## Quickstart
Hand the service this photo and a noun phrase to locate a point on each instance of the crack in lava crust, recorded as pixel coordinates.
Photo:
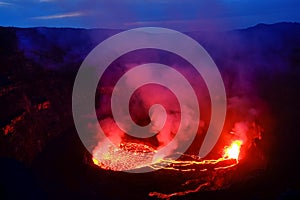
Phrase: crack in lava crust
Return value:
(129, 155)
(125, 156)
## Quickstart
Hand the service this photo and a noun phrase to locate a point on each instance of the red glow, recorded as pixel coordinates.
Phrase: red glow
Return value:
(116, 158)
(233, 151)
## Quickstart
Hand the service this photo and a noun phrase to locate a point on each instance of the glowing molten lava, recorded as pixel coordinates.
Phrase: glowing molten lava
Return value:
(125, 156)
(140, 155)
(233, 151)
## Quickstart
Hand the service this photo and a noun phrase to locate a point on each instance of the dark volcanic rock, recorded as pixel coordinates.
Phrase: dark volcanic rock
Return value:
(39, 65)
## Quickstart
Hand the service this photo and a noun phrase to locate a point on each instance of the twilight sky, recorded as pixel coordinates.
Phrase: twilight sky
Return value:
(182, 15)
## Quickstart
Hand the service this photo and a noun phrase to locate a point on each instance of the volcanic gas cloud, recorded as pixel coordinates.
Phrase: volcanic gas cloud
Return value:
(119, 151)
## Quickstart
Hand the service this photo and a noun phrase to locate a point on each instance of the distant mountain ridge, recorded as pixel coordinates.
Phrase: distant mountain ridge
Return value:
(60, 47)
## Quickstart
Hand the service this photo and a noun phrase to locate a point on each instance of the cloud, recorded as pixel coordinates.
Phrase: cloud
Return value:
(62, 15)
(5, 3)
(47, 0)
